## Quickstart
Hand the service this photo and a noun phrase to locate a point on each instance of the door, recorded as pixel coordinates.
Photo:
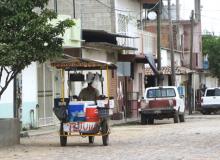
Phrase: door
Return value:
(45, 95)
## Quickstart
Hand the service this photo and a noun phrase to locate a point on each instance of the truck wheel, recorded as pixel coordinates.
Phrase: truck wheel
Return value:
(143, 119)
(182, 118)
(205, 112)
(91, 139)
(63, 139)
(176, 118)
(151, 120)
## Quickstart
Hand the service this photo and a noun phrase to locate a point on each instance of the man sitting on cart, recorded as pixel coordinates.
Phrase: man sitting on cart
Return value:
(89, 93)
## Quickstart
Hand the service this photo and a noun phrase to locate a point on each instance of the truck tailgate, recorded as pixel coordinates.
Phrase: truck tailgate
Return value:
(211, 100)
(161, 103)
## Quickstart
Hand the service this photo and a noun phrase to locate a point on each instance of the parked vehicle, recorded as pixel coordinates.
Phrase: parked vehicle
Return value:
(210, 102)
(162, 102)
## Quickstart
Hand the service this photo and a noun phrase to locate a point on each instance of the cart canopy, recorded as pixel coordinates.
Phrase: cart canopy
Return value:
(76, 63)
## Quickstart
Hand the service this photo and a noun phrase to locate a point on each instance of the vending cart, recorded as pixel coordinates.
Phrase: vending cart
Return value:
(83, 118)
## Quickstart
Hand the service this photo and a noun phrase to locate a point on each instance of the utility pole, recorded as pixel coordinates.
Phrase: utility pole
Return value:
(178, 37)
(55, 6)
(190, 74)
(177, 10)
(173, 75)
(74, 9)
(197, 10)
(159, 80)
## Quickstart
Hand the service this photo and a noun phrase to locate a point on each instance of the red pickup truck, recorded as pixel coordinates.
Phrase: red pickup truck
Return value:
(162, 102)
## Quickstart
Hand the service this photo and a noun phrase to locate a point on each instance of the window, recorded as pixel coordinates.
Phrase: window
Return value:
(161, 93)
(213, 92)
(217, 92)
(122, 24)
(210, 92)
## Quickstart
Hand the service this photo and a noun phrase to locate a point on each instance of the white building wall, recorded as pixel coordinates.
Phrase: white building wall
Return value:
(166, 58)
(29, 81)
(29, 97)
(126, 22)
(139, 68)
(165, 81)
(6, 101)
(211, 82)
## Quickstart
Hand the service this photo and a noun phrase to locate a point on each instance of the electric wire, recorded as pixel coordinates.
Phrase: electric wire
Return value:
(121, 10)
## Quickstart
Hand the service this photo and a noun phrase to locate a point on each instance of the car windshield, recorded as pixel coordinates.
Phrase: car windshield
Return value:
(213, 92)
(161, 93)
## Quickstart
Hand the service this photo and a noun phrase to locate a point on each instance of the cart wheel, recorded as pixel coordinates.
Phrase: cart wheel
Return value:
(105, 138)
(63, 139)
(91, 139)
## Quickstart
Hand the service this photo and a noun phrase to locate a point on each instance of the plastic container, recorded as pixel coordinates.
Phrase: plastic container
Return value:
(103, 103)
(103, 112)
(92, 114)
(76, 112)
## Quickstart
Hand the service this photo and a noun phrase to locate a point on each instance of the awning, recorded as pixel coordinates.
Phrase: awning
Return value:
(132, 58)
(101, 36)
(106, 45)
(141, 58)
(76, 63)
(179, 70)
(103, 39)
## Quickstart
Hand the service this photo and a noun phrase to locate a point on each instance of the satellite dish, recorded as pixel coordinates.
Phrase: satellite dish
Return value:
(152, 15)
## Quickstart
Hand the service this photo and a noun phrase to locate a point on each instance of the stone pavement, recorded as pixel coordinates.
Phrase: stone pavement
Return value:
(55, 128)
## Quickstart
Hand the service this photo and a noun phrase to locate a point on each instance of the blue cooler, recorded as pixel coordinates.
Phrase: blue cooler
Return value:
(76, 112)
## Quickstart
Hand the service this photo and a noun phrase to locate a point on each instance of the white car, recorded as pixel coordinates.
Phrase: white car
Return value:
(210, 102)
(162, 102)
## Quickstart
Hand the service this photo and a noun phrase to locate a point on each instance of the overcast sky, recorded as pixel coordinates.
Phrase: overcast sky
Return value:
(210, 14)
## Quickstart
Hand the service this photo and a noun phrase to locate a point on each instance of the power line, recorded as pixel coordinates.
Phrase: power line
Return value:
(113, 8)
(121, 10)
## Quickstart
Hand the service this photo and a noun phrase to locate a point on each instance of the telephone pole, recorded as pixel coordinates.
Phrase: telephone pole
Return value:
(173, 75)
(55, 6)
(74, 9)
(159, 80)
(190, 93)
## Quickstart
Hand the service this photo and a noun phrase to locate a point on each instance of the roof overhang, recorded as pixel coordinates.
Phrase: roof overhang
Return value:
(103, 39)
(132, 58)
(105, 45)
(179, 70)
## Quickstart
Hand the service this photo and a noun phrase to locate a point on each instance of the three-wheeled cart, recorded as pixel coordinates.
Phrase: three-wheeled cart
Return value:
(96, 121)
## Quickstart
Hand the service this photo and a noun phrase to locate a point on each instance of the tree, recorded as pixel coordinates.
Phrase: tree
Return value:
(27, 36)
(211, 47)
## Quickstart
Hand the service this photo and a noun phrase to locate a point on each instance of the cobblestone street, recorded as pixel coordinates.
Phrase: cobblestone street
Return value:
(196, 139)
